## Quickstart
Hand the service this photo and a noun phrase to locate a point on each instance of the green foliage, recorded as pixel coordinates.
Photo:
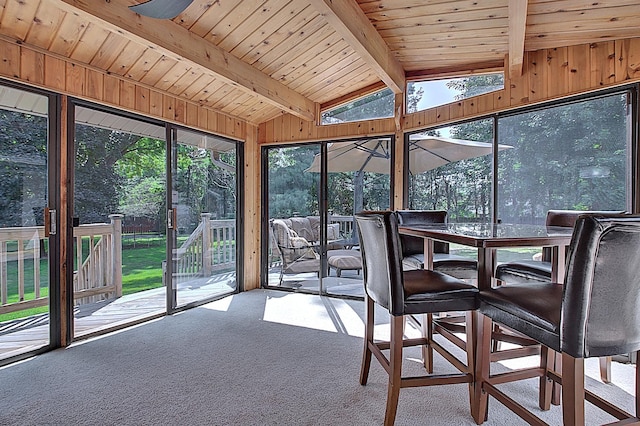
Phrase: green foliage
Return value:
(23, 168)
(553, 152)
(292, 190)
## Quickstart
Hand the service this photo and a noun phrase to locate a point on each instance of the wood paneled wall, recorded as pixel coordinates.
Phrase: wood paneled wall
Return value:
(288, 128)
(29, 65)
(547, 74)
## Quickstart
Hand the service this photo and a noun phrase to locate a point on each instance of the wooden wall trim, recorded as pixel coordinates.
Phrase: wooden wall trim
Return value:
(252, 210)
(290, 129)
(36, 67)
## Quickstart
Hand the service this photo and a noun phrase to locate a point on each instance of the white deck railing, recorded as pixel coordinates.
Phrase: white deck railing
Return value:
(99, 273)
(209, 248)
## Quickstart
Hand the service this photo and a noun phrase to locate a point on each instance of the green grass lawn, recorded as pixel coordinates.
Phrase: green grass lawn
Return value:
(504, 255)
(141, 270)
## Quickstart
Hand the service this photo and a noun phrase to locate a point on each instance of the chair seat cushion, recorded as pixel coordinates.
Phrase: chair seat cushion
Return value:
(524, 271)
(345, 262)
(431, 291)
(532, 309)
(451, 264)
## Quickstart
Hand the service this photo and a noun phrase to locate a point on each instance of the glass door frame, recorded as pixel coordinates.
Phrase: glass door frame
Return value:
(172, 234)
(323, 201)
(52, 206)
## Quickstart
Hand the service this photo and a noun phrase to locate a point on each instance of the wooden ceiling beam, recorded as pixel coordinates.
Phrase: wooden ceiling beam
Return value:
(517, 28)
(456, 71)
(346, 17)
(176, 42)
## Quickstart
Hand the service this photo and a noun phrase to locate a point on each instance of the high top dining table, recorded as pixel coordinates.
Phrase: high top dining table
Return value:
(487, 238)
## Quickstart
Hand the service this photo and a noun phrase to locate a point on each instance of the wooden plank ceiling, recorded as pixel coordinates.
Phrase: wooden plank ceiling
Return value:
(257, 59)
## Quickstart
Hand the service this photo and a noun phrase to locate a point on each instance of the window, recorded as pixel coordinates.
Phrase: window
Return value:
(571, 156)
(450, 169)
(423, 95)
(376, 105)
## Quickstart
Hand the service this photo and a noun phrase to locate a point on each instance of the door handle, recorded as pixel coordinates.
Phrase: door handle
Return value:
(50, 225)
(172, 218)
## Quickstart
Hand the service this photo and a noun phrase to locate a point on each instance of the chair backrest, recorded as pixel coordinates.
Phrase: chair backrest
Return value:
(415, 245)
(382, 259)
(567, 219)
(601, 301)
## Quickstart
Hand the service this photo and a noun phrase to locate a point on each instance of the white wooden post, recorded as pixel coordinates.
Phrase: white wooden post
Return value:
(206, 244)
(116, 252)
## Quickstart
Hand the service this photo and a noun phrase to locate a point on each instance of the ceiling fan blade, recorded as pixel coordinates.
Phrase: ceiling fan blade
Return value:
(161, 9)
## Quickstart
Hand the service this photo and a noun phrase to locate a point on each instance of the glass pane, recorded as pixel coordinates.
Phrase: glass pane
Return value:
(119, 200)
(292, 197)
(423, 95)
(204, 198)
(359, 179)
(376, 105)
(24, 250)
(450, 169)
(570, 157)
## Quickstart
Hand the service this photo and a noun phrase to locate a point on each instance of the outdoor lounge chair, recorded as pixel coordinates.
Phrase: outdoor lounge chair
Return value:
(296, 252)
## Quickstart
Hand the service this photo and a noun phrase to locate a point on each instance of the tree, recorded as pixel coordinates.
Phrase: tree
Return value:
(23, 169)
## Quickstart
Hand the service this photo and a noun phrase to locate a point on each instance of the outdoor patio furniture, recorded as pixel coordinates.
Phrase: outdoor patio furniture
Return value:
(297, 241)
(342, 260)
(413, 292)
(296, 252)
(574, 318)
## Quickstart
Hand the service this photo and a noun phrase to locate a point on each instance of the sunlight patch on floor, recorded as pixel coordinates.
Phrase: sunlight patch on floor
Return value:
(319, 313)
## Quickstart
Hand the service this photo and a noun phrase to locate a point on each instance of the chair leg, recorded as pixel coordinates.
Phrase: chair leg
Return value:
(395, 369)
(471, 330)
(556, 392)
(572, 390)
(482, 368)
(427, 350)
(547, 362)
(368, 340)
(605, 369)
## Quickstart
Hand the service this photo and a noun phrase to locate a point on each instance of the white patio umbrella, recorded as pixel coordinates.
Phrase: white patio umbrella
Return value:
(425, 153)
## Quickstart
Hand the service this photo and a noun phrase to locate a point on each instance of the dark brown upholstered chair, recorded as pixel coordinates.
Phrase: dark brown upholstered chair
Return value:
(532, 271)
(602, 277)
(408, 293)
(413, 247)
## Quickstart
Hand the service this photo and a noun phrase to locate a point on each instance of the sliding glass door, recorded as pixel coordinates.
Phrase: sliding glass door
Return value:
(119, 209)
(25, 202)
(313, 244)
(203, 217)
(292, 197)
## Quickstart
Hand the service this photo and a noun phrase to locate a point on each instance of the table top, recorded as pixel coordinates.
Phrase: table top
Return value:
(486, 235)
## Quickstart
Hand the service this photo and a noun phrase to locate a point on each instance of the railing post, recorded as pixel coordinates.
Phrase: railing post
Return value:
(116, 252)
(206, 244)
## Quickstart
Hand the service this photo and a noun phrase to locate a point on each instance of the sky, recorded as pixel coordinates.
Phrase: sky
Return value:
(436, 93)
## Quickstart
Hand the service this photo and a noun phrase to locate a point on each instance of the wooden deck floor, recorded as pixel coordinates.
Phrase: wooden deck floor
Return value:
(110, 314)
